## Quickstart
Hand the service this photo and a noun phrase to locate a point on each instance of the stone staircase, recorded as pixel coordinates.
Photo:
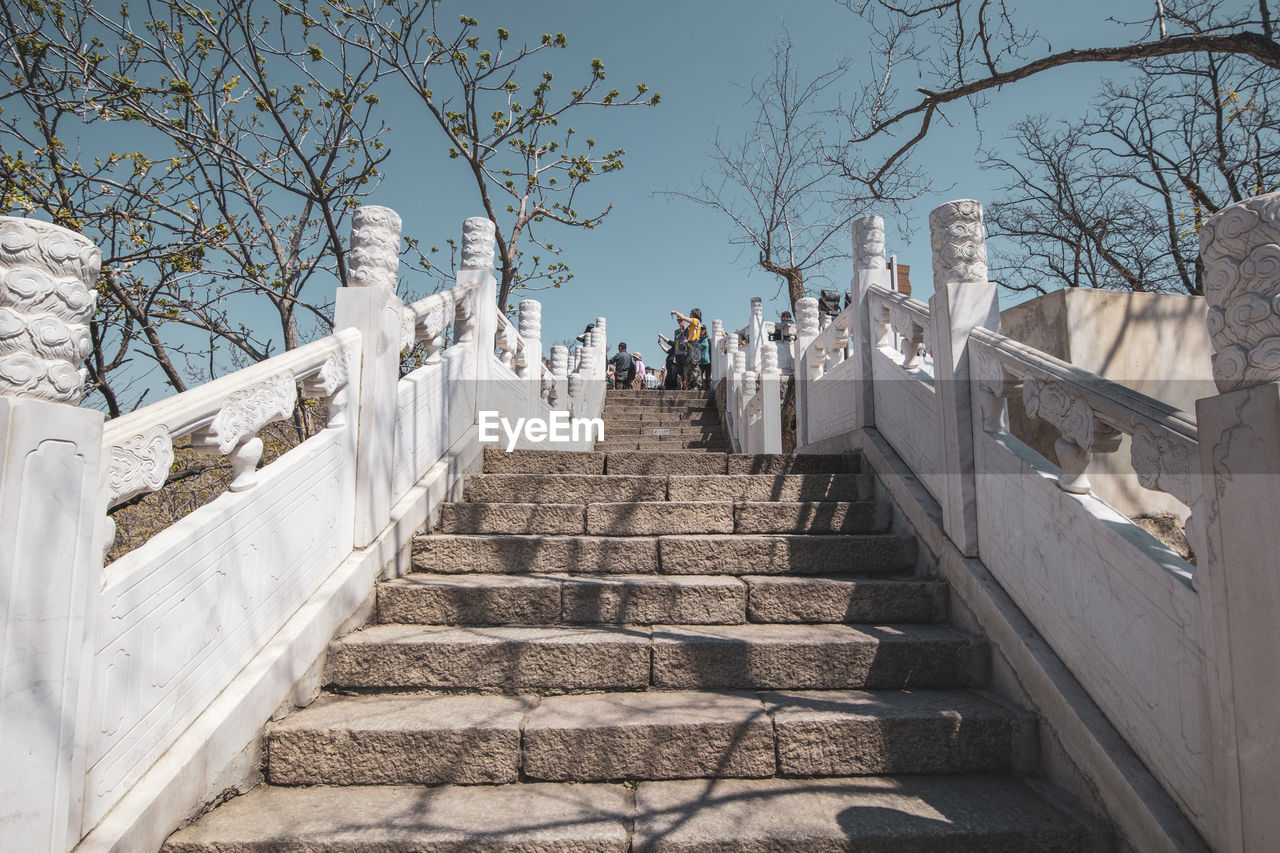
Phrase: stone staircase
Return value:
(644, 651)
(661, 421)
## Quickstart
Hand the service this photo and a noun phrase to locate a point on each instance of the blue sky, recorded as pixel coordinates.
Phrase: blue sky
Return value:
(653, 254)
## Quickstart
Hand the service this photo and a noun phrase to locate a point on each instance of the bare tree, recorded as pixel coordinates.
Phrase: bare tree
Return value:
(779, 184)
(1116, 199)
(499, 116)
(964, 51)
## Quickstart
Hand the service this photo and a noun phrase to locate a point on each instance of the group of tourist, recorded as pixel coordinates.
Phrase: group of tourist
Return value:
(687, 365)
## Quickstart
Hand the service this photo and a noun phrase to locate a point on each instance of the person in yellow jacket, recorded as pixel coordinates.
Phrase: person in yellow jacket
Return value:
(694, 333)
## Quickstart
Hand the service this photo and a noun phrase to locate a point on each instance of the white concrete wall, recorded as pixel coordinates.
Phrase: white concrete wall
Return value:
(180, 616)
(1114, 603)
(907, 412)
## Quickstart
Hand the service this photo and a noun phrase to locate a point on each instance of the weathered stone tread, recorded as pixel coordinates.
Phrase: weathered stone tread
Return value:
(469, 599)
(547, 659)
(543, 817)
(788, 599)
(857, 732)
(399, 739)
(531, 518)
(504, 554)
(813, 517)
(650, 735)
(499, 461)
(815, 657)
(780, 554)
(648, 599)
(563, 488)
(947, 814)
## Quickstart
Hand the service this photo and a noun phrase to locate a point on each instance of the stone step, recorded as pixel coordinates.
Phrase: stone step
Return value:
(665, 518)
(661, 418)
(815, 657)
(781, 554)
(921, 814)
(495, 517)
(681, 657)
(430, 599)
(652, 463)
(719, 554)
(861, 732)
(564, 488)
(791, 600)
(813, 517)
(663, 443)
(650, 430)
(633, 409)
(787, 463)
(501, 554)
(656, 519)
(544, 817)
(498, 461)
(506, 659)
(767, 487)
(431, 739)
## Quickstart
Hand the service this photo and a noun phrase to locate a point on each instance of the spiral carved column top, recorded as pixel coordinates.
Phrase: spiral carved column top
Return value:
(959, 243)
(757, 306)
(530, 318)
(807, 316)
(47, 298)
(717, 329)
(1240, 248)
(739, 360)
(868, 243)
(559, 360)
(768, 352)
(478, 238)
(374, 259)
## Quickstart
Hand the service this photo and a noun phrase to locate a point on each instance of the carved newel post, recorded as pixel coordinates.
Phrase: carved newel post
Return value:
(771, 399)
(559, 374)
(531, 332)
(369, 304)
(868, 332)
(755, 333)
(963, 300)
(51, 529)
(1240, 457)
(808, 363)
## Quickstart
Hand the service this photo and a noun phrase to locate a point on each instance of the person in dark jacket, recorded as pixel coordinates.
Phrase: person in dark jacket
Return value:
(624, 368)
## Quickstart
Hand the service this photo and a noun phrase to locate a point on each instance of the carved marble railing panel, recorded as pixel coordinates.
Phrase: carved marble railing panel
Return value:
(1091, 413)
(436, 314)
(225, 415)
(907, 317)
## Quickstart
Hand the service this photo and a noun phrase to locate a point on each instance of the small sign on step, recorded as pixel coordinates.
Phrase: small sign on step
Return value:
(663, 431)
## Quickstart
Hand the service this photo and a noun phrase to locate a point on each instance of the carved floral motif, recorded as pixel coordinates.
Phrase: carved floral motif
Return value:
(374, 259)
(1070, 413)
(1161, 464)
(139, 464)
(47, 275)
(246, 412)
(868, 243)
(958, 240)
(1240, 247)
